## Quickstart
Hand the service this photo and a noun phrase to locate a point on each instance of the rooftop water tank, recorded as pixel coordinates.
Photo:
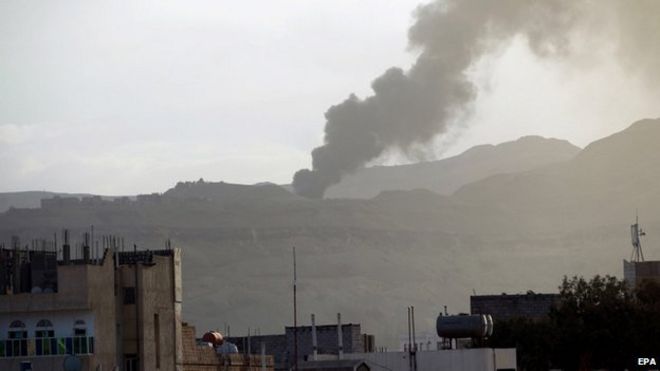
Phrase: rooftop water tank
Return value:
(213, 337)
(464, 326)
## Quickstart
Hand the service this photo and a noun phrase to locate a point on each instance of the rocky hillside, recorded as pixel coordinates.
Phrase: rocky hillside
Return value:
(447, 175)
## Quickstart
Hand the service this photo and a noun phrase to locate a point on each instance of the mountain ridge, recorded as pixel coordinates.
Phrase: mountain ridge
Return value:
(447, 175)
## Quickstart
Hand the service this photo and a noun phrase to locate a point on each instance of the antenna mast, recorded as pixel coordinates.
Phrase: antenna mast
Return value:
(295, 314)
(636, 233)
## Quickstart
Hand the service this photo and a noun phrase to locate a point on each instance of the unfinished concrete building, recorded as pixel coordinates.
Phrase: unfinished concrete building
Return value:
(111, 311)
(322, 340)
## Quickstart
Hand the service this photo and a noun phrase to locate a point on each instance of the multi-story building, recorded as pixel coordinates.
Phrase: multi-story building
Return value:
(635, 272)
(116, 311)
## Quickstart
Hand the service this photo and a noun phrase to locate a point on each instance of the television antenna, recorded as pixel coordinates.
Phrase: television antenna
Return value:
(636, 233)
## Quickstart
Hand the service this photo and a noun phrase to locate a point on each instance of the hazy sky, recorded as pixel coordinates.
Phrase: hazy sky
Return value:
(131, 97)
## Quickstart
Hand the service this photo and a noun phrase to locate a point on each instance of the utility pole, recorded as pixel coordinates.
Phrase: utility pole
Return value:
(137, 309)
(295, 314)
(410, 352)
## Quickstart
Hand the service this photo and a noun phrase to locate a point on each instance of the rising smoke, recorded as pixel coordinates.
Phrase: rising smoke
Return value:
(413, 107)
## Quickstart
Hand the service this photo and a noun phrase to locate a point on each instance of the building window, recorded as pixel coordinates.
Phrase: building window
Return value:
(17, 330)
(129, 295)
(131, 362)
(16, 346)
(44, 329)
(80, 340)
(79, 328)
(45, 342)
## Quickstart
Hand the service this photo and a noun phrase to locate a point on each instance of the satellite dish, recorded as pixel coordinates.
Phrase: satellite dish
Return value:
(72, 363)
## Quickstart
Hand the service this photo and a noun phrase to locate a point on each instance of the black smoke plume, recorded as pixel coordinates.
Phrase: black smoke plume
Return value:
(413, 107)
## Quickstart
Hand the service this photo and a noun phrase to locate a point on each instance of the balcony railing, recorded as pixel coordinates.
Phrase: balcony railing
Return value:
(37, 347)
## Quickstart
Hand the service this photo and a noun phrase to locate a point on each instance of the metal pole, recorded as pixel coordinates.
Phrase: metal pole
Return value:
(93, 243)
(340, 340)
(295, 314)
(412, 320)
(137, 311)
(263, 356)
(412, 312)
(314, 342)
(409, 343)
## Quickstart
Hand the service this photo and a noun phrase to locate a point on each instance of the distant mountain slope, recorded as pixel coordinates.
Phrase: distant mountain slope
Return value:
(220, 192)
(611, 177)
(446, 176)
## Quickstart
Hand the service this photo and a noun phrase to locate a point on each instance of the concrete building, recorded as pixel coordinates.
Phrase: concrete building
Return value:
(637, 270)
(504, 306)
(335, 365)
(199, 356)
(634, 272)
(327, 337)
(477, 359)
(116, 311)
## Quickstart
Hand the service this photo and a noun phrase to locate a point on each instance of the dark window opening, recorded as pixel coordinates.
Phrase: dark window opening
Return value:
(79, 328)
(17, 334)
(17, 330)
(80, 345)
(130, 362)
(44, 334)
(26, 366)
(45, 342)
(129, 295)
(16, 346)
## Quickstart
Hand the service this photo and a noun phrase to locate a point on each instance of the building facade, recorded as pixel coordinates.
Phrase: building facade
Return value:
(476, 359)
(635, 273)
(117, 311)
(282, 346)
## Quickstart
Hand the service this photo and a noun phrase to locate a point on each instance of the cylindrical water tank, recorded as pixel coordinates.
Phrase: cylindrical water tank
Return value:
(214, 338)
(464, 326)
